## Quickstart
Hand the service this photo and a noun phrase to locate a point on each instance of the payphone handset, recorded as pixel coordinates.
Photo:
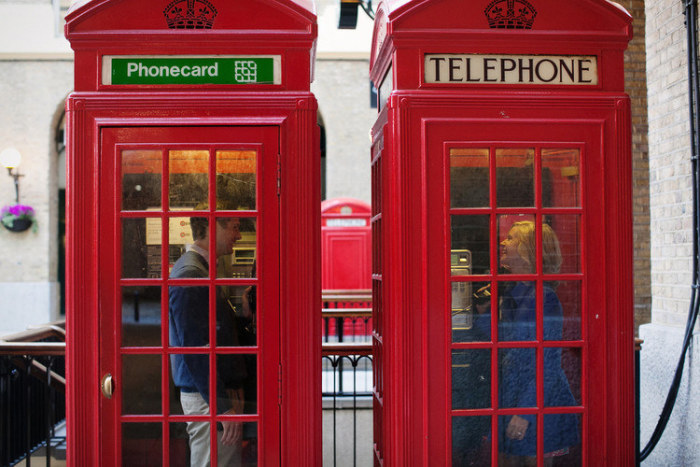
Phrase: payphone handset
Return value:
(462, 313)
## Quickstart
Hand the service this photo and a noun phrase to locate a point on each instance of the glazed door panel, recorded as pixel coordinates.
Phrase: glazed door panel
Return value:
(522, 278)
(189, 316)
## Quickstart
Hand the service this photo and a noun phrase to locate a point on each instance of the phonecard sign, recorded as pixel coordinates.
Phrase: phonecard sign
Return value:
(179, 70)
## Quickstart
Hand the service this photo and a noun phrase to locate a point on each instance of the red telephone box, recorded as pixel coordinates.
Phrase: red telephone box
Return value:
(502, 281)
(345, 245)
(187, 343)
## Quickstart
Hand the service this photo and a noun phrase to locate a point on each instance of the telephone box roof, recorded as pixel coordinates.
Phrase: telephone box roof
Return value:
(164, 18)
(414, 23)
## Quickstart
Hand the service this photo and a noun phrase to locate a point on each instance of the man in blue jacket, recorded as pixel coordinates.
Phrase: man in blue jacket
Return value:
(189, 327)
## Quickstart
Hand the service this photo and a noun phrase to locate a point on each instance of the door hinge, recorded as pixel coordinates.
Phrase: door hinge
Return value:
(279, 385)
(279, 173)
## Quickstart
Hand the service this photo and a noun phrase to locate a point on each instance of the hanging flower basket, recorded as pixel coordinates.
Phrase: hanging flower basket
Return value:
(17, 218)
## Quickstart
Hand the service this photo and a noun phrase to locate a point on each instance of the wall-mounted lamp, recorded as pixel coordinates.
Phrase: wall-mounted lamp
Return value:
(10, 159)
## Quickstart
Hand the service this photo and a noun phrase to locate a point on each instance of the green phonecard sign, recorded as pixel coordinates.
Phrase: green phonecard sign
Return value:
(171, 70)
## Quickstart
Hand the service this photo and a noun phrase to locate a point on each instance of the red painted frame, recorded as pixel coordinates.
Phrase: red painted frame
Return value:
(411, 280)
(113, 141)
(127, 27)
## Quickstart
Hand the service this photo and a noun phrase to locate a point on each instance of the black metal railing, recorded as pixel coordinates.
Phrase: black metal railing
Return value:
(32, 395)
(347, 390)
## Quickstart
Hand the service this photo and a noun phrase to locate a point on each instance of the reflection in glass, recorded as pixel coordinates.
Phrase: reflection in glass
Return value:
(515, 258)
(517, 439)
(235, 179)
(188, 179)
(517, 311)
(141, 179)
(568, 326)
(141, 384)
(562, 377)
(142, 444)
(469, 178)
(249, 448)
(515, 186)
(471, 312)
(516, 380)
(471, 441)
(471, 234)
(241, 261)
(141, 316)
(562, 442)
(140, 257)
(471, 378)
(238, 374)
(179, 445)
(561, 177)
(237, 313)
(567, 228)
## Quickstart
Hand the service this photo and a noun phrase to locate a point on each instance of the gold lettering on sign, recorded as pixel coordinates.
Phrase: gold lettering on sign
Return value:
(511, 69)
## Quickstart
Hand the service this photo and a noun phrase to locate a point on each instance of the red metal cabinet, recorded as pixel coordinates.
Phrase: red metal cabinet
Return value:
(193, 113)
(502, 245)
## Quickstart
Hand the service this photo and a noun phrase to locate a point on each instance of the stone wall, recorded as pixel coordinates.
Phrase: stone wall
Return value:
(32, 93)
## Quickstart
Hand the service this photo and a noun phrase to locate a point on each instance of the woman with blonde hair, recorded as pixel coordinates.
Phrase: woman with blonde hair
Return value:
(517, 366)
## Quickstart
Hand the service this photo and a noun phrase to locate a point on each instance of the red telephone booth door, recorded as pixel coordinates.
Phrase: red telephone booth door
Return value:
(189, 315)
(530, 308)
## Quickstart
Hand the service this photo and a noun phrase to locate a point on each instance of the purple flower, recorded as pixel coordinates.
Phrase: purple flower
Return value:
(18, 211)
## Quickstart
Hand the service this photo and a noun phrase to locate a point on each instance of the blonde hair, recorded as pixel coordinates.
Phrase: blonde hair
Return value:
(524, 232)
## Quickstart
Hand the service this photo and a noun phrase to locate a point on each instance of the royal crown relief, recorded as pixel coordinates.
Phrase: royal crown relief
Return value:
(190, 14)
(510, 14)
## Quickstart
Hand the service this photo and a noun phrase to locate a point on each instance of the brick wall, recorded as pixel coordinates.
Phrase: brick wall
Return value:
(636, 87)
(669, 162)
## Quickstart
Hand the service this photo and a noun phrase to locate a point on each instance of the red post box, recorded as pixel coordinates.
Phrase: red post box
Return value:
(194, 234)
(502, 280)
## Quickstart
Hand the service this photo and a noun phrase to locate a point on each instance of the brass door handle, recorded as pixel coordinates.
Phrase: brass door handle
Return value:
(107, 385)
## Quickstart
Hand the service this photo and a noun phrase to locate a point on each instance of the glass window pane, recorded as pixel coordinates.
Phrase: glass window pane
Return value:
(517, 439)
(141, 179)
(187, 370)
(471, 312)
(236, 180)
(471, 441)
(517, 244)
(235, 316)
(141, 254)
(189, 179)
(142, 444)
(516, 382)
(561, 244)
(141, 317)
(517, 311)
(189, 316)
(141, 384)
(469, 177)
(515, 185)
(238, 376)
(562, 377)
(179, 445)
(471, 378)
(470, 238)
(236, 260)
(565, 325)
(561, 170)
(562, 439)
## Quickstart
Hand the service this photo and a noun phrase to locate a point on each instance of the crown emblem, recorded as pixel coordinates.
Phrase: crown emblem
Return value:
(190, 14)
(510, 14)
